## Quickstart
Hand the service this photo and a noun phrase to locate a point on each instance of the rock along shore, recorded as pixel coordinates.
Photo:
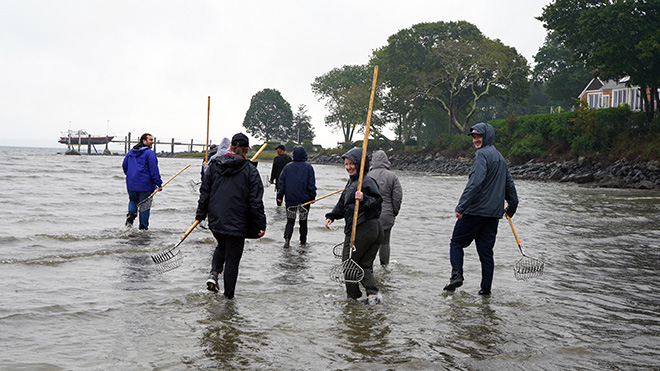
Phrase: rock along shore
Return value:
(619, 174)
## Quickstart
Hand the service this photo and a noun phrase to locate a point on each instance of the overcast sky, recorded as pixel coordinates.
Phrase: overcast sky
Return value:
(148, 66)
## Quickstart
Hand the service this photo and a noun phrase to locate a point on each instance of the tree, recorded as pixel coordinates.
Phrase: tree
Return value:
(269, 116)
(452, 64)
(559, 76)
(301, 129)
(346, 92)
(618, 38)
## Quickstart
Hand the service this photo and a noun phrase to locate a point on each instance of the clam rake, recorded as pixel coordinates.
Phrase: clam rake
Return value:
(171, 258)
(527, 267)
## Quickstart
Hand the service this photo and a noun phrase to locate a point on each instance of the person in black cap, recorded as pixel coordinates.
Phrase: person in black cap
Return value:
(480, 208)
(279, 162)
(231, 196)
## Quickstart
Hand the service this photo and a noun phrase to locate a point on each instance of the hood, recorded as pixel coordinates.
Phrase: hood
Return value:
(299, 154)
(230, 164)
(355, 155)
(488, 132)
(379, 160)
(224, 145)
(138, 149)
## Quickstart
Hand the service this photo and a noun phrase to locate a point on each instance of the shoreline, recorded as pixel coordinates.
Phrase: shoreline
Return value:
(619, 174)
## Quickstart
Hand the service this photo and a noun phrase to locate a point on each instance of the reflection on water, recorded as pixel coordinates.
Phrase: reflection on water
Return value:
(80, 291)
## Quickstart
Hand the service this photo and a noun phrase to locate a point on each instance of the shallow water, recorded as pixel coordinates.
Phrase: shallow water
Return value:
(79, 290)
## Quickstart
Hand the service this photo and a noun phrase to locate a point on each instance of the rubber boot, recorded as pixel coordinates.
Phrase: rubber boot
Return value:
(286, 243)
(455, 281)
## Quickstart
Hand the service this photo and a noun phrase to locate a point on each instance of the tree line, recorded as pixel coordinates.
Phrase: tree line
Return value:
(441, 77)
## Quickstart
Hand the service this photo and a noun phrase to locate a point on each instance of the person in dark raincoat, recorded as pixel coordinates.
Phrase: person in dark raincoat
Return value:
(231, 196)
(480, 208)
(369, 232)
(297, 186)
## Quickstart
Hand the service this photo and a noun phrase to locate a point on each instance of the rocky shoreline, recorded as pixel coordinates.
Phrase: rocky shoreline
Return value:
(619, 174)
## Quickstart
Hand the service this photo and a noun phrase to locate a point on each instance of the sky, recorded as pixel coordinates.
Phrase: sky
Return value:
(119, 66)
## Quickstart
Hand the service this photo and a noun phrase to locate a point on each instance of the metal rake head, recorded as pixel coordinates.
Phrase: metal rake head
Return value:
(528, 267)
(168, 260)
(145, 204)
(302, 212)
(338, 250)
(194, 186)
(347, 271)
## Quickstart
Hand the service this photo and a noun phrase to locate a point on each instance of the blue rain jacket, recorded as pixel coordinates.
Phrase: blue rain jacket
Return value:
(141, 168)
(297, 181)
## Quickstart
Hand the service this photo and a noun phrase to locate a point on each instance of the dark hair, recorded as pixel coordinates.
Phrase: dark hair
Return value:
(281, 147)
(144, 137)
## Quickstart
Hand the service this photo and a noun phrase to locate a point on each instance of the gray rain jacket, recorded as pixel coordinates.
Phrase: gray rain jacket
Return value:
(389, 187)
(490, 182)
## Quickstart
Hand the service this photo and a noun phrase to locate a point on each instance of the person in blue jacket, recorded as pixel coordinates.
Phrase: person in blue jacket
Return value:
(231, 196)
(297, 185)
(142, 178)
(480, 208)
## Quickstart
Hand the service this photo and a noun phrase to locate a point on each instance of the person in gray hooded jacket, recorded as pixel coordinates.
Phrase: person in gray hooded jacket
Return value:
(392, 193)
(480, 208)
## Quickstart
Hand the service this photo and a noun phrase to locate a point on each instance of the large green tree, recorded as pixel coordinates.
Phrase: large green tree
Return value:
(269, 116)
(618, 38)
(346, 92)
(561, 77)
(302, 126)
(452, 64)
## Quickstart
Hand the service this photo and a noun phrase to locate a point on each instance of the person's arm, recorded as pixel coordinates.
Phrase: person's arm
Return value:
(477, 176)
(397, 195)
(282, 185)
(124, 164)
(204, 195)
(511, 196)
(154, 173)
(311, 184)
(370, 196)
(256, 194)
(337, 211)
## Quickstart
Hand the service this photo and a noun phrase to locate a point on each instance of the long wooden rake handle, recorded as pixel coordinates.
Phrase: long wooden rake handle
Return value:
(190, 230)
(169, 180)
(259, 151)
(513, 229)
(322, 197)
(208, 114)
(365, 143)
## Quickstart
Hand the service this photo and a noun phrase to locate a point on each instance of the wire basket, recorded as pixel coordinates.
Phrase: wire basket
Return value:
(300, 210)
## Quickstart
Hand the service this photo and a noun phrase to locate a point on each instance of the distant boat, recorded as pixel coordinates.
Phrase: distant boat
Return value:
(72, 137)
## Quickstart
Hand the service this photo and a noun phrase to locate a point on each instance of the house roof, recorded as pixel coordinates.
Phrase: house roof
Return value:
(597, 84)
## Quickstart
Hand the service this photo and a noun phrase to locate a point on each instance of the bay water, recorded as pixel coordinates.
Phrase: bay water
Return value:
(78, 289)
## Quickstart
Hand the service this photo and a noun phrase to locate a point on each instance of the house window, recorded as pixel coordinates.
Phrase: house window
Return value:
(594, 100)
(605, 102)
(635, 100)
(619, 97)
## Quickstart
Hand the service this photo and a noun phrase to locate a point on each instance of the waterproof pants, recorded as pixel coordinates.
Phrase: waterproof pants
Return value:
(290, 222)
(481, 230)
(226, 258)
(368, 237)
(134, 198)
(384, 249)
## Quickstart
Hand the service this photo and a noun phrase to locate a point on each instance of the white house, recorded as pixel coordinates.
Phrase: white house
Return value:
(610, 93)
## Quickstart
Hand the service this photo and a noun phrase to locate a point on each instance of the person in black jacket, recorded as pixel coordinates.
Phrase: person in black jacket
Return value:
(279, 162)
(231, 195)
(369, 232)
(297, 186)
